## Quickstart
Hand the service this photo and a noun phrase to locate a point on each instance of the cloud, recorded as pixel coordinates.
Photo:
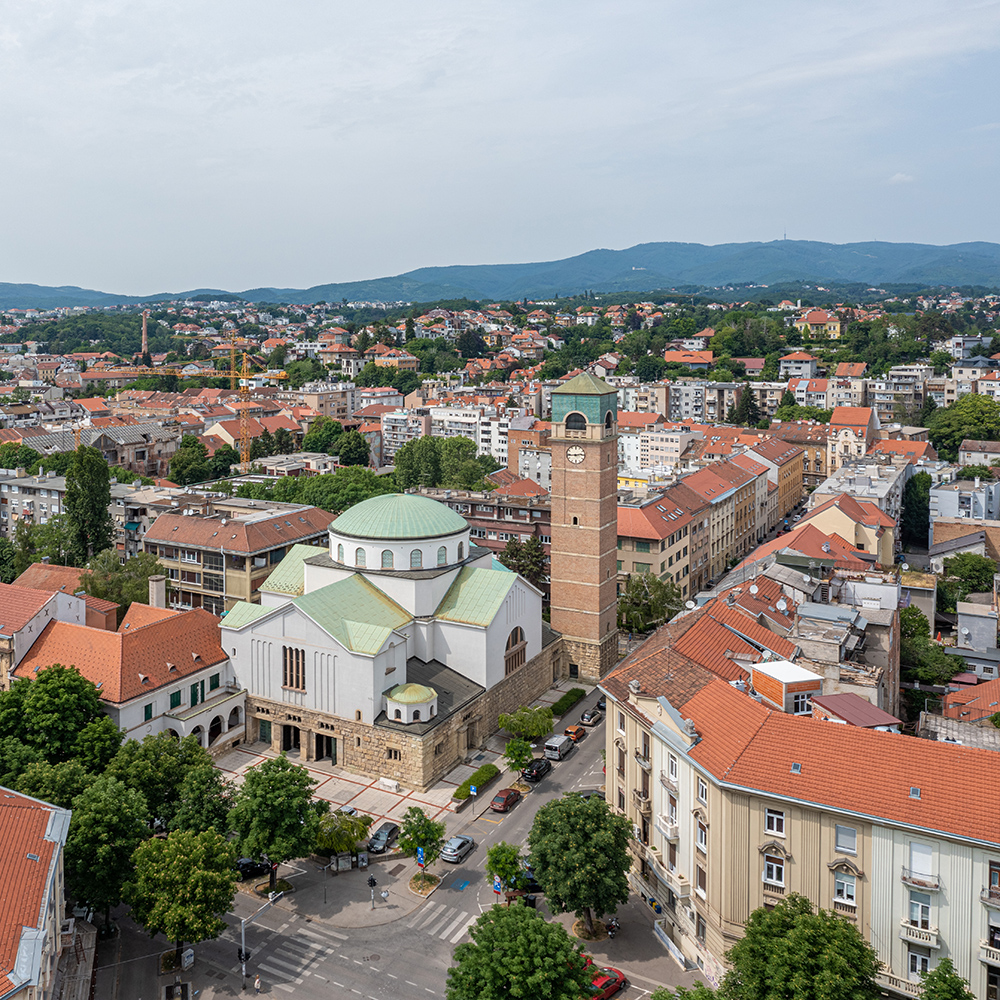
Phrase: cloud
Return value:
(901, 178)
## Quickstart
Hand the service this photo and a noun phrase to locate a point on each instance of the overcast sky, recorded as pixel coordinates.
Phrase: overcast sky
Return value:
(154, 146)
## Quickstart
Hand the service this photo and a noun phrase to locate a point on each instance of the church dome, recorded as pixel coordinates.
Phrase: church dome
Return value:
(398, 516)
(412, 694)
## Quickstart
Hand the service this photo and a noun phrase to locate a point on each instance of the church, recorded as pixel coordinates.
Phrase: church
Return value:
(393, 651)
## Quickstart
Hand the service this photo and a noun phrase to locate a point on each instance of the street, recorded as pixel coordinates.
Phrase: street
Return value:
(326, 933)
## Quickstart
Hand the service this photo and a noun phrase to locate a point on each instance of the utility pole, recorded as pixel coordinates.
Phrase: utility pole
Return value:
(244, 955)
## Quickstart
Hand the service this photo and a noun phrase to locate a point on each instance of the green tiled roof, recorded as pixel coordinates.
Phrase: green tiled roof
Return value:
(585, 385)
(398, 516)
(352, 611)
(496, 564)
(476, 596)
(288, 577)
(242, 614)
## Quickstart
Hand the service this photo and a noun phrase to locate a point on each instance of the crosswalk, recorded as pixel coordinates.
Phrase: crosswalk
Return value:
(446, 923)
(298, 954)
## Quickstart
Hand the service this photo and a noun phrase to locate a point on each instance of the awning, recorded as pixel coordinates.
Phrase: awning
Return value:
(131, 525)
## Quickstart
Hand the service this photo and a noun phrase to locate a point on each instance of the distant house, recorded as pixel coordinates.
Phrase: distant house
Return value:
(819, 323)
(798, 364)
(696, 360)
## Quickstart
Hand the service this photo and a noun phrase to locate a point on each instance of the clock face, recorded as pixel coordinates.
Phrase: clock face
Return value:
(575, 454)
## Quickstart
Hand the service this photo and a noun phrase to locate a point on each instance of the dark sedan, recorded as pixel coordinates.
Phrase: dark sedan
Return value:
(248, 868)
(537, 769)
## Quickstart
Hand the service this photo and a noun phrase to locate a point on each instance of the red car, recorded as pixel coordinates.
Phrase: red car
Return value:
(504, 799)
(607, 982)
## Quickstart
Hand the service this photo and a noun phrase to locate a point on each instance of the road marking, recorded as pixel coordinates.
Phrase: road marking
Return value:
(280, 972)
(495, 822)
(391, 976)
(462, 885)
(451, 927)
(340, 986)
(408, 983)
(283, 986)
(295, 969)
(460, 933)
(320, 936)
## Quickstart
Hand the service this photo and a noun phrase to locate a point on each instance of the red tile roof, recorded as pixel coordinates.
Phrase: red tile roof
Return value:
(46, 576)
(913, 450)
(808, 540)
(18, 605)
(237, 535)
(973, 703)
(850, 416)
(850, 369)
(799, 356)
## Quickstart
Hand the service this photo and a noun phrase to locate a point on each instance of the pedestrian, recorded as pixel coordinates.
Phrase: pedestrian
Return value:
(256, 984)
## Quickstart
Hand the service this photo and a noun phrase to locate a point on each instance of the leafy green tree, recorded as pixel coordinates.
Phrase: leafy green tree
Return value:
(88, 497)
(353, 449)
(747, 409)
(942, 361)
(527, 723)
(419, 830)
(973, 472)
(323, 435)
(15, 757)
(97, 743)
(926, 412)
(454, 454)
(181, 884)
(284, 443)
(123, 584)
(787, 399)
(57, 705)
(58, 783)
(267, 443)
(972, 416)
(516, 952)
(580, 852)
(697, 992)
(505, 861)
(344, 488)
(274, 815)
(33, 542)
(7, 571)
(222, 462)
(973, 573)
(109, 822)
(790, 951)
(647, 602)
(190, 463)
(916, 514)
(944, 983)
(204, 800)
(341, 832)
(418, 463)
(518, 755)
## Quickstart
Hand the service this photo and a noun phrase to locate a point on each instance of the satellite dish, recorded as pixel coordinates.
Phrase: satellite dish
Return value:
(754, 588)
(806, 578)
(906, 567)
(782, 605)
(689, 605)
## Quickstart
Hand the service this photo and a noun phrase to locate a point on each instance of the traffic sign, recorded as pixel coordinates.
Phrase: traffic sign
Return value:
(472, 789)
(420, 856)
(496, 884)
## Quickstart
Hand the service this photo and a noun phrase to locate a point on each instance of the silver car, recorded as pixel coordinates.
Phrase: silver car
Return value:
(458, 848)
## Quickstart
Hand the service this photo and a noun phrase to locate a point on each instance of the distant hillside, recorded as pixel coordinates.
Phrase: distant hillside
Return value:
(644, 267)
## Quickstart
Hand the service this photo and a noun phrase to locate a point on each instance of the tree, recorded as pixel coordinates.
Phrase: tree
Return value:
(323, 434)
(340, 832)
(533, 561)
(343, 489)
(7, 571)
(787, 399)
(418, 463)
(57, 706)
(747, 409)
(790, 951)
(973, 416)
(942, 361)
(647, 602)
(916, 514)
(223, 460)
(120, 583)
(353, 449)
(974, 472)
(274, 815)
(974, 573)
(15, 758)
(515, 952)
(579, 849)
(518, 755)
(59, 783)
(527, 723)
(944, 983)
(419, 830)
(505, 862)
(88, 497)
(181, 884)
(97, 743)
(697, 992)
(109, 822)
(284, 443)
(204, 801)
(190, 463)
(34, 542)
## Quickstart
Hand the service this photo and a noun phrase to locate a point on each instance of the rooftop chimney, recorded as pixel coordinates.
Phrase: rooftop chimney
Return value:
(158, 591)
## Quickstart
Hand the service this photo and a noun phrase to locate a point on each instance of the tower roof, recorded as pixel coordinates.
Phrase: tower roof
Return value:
(585, 385)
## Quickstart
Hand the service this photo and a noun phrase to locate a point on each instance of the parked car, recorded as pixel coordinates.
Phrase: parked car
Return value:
(537, 769)
(602, 703)
(383, 838)
(591, 717)
(607, 982)
(248, 868)
(575, 733)
(348, 810)
(504, 799)
(459, 847)
(588, 793)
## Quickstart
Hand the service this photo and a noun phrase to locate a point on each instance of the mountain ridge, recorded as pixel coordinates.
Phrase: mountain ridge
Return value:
(643, 267)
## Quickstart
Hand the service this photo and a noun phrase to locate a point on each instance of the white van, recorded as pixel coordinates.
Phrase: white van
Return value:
(558, 747)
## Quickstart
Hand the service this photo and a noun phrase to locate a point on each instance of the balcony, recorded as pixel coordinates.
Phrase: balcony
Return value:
(988, 953)
(667, 827)
(678, 884)
(641, 760)
(920, 880)
(991, 896)
(917, 935)
(669, 783)
(641, 802)
(896, 985)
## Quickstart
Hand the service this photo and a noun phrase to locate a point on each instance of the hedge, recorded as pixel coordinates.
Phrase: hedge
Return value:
(481, 777)
(567, 701)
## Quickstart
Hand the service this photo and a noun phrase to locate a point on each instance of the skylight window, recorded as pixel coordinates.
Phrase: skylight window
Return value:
(796, 768)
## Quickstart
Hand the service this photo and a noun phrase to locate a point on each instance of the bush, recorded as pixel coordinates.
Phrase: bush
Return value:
(567, 701)
(481, 777)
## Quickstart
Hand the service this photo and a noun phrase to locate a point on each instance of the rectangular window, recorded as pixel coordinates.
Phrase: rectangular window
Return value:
(671, 809)
(701, 928)
(175, 699)
(702, 791)
(920, 859)
(843, 887)
(920, 962)
(672, 766)
(619, 565)
(621, 761)
(703, 838)
(147, 712)
(774, 821)
(641, 567)
(212, 582)
(213, 560)
(392, 754)
(642, 546)
(293, 668)
(190, 556)
(774, 869)
(213, 682)
(621, 799)
(847, 839)
(701, 881)
(801, 704)
(920, 910)
(621, 721)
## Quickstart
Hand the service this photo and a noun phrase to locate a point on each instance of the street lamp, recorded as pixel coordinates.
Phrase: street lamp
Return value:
(244, 955)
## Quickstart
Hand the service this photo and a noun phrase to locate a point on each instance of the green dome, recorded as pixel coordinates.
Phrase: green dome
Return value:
(412, 694)
(398, 516)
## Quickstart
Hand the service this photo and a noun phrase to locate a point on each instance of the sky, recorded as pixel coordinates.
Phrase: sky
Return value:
(151, 146)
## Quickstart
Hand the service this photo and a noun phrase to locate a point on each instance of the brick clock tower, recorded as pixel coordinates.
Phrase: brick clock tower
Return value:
(584, 496)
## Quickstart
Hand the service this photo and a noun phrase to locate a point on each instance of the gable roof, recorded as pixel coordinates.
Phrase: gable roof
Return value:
(242, 536)
(288, 577)
(476, 596)
(46, 576)
(18, 605)
(850, 416)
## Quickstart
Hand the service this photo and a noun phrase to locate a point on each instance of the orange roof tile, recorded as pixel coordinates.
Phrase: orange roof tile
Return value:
(237, 535)
(18, 605)
(47, 576)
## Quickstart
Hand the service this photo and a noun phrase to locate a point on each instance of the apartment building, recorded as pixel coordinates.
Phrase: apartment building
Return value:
(653, 537)
(218, 558)
(687, 400)
(882, 483)
(853, 430)
(974, 499)
(749, 479)
(337, 400)
(846, 391)
(813, 439)
(400, 427)
(784, 463)
(698, 509)
(665, 448)
(886, 394)
(721, 498)
(768, 395)
(632, 427)
(798, 364)
(644, 398)
(810, 392)
(720, 397)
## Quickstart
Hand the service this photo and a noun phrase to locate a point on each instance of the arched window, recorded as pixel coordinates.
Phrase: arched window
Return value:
(514, 655)
(340, 553)
(397, 714)
(416, 715)
(442, 556)
(461, 551)
(576, 422)
(416, 559)
(359, 558)
(387, 559)
(607, 420)
(433, 711)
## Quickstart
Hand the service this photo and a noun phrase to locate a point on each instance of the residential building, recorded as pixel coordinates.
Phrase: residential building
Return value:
(798, 364)
(400, 427)
(819, 324)
(813, 439)
(853, 430)
(972, 452)
(721, 498)
(859, 522)
(784, 463)
(974, 499)
(337, 400)
(695, 360)
(882, 483)
(687, 399)
(653, 537)
(768, 395)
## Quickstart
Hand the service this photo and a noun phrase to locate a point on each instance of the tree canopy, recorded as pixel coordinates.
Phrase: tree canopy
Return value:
(121, 583)
(527, 723)
(419, 830)
(646, 602)
(87, 502)
(972, 416)
(944, 983)
(916, 514)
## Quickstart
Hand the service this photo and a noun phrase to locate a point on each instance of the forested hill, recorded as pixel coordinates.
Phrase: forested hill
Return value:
(645, 267)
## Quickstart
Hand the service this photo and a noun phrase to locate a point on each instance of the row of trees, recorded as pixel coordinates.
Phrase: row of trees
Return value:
(449, 462)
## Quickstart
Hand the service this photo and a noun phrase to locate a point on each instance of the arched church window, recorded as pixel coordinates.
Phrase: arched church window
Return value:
(416, 559)
(442, 556)
(576, 422)
(515, 652)
(340, 552)
(387, 559)
(461, 551)
(359, 558)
